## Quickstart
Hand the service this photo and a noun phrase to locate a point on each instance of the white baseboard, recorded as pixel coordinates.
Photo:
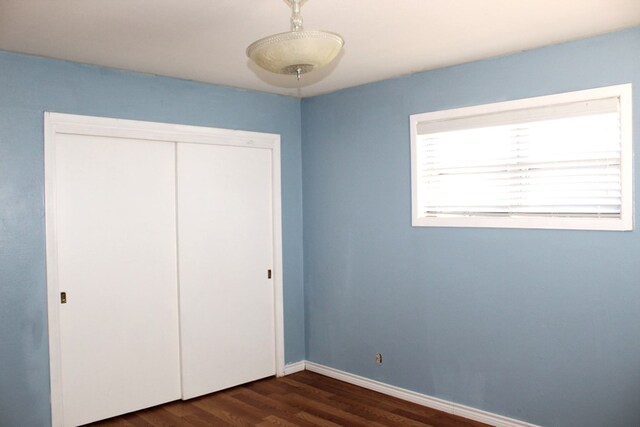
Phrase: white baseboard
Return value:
(292, 368)
(411, 396)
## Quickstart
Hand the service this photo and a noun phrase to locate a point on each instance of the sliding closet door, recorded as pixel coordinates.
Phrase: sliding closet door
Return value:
(225, 249)
(115, 234)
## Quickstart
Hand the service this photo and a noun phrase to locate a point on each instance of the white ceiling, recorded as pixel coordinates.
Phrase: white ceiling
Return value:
(205, 40)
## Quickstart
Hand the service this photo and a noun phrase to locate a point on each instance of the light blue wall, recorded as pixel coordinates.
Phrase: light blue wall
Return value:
(28, 87)
(537, 325)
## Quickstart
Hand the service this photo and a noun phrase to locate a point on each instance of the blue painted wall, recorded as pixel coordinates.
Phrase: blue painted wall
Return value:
(539, 325)
(28, 87)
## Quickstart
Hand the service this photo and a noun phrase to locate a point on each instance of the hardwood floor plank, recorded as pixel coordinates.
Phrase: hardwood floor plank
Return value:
(304, 388)
(197, 421)
(128, 420)
(227, 413)
(273, 420)
(318, 421)
(376, 411)
(160, 417)
(367, 396)
(383, 413)
(242, 407)
(375, 407)
(180, 408)
(407, 410)
(303, 399)
(371, 397)
(114, 423)
(269, 405)
(339, 410)
(270, 387)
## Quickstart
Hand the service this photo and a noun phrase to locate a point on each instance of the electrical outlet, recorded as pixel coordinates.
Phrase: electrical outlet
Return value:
(379, 358)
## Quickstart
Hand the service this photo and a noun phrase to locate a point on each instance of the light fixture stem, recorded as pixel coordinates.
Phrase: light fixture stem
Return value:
(296, 17)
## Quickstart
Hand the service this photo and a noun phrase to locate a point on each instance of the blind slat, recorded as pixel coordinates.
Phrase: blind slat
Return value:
(559, 160)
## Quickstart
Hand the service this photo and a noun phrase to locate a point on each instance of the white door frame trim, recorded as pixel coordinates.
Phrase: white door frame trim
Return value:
(57, 123)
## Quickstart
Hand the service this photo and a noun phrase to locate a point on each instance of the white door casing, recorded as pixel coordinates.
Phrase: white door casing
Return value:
(59, 127)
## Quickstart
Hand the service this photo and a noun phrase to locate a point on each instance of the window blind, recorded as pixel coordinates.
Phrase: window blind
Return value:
(559, 161)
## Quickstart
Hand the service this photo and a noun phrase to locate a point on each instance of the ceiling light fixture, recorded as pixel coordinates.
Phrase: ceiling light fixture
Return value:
(298, 51)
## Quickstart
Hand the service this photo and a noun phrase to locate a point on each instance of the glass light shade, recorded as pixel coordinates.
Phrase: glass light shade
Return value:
(295, 52)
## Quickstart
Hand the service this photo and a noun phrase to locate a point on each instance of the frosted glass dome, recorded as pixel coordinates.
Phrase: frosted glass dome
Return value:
(295, 52)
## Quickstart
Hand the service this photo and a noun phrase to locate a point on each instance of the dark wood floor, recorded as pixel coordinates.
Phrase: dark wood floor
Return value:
(301, 399)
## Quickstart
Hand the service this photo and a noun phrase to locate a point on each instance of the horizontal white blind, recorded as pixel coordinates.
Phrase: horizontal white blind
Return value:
(521, 115)
(557, 161)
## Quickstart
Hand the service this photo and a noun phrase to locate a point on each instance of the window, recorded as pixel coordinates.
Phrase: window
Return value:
(559, 161)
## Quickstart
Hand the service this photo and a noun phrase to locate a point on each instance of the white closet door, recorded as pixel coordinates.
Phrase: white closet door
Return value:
(116, 252)
(225, 247)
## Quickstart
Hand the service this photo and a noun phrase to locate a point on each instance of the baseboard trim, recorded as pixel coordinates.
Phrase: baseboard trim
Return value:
(292, 368)
(411, 396)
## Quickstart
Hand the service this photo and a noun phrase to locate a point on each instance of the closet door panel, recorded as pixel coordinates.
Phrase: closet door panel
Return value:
(116, 251)
(225, 247)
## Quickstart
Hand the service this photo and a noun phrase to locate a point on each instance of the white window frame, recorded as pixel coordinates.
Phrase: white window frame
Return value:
(625, 222)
